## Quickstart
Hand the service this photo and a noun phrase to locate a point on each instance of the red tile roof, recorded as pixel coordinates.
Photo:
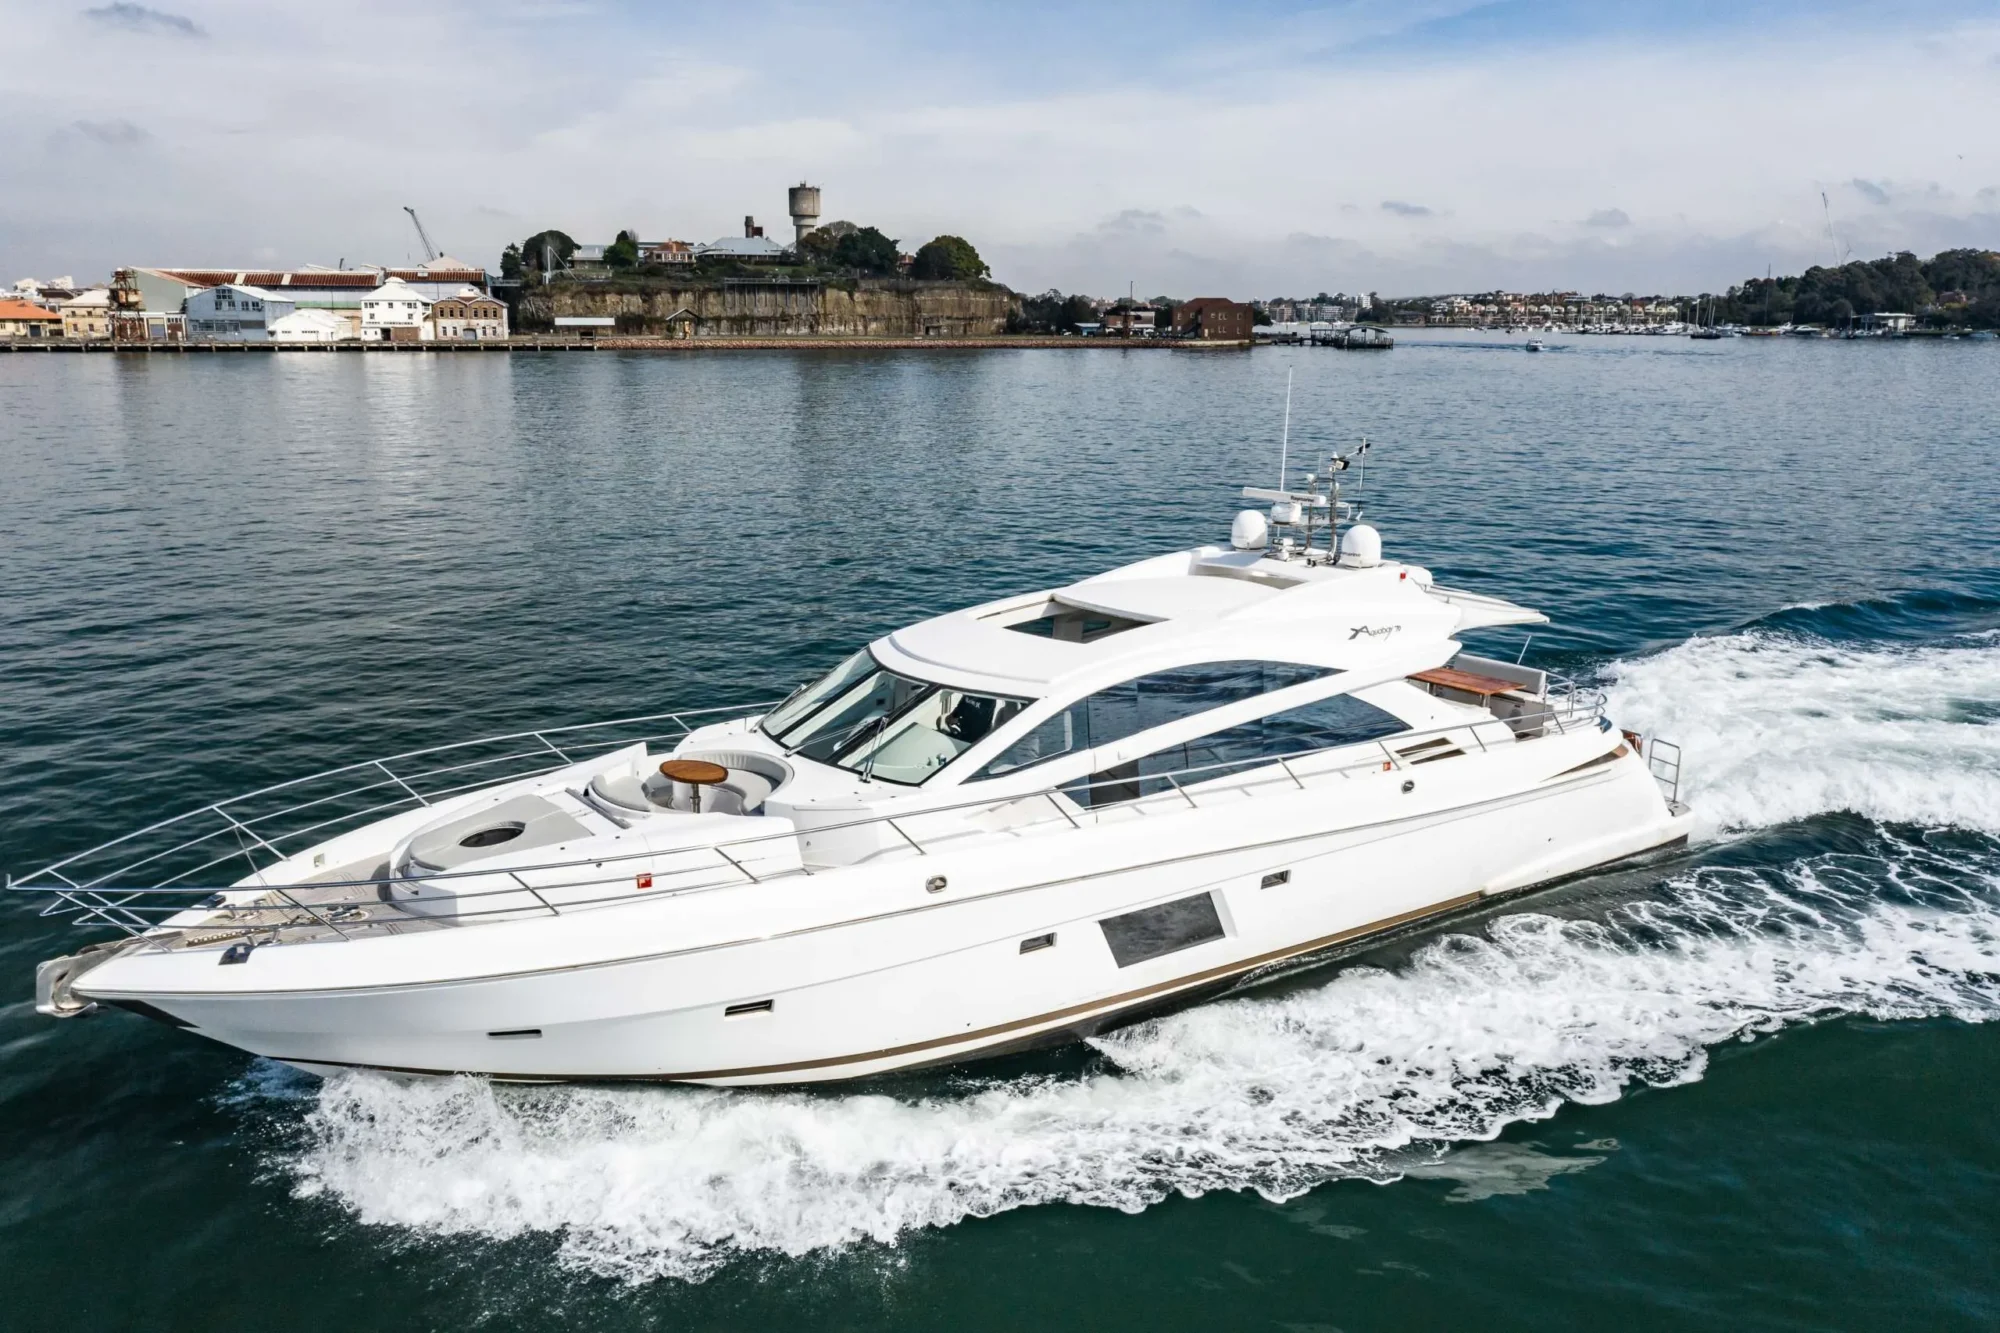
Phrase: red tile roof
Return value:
(274, 279)
(11, 309)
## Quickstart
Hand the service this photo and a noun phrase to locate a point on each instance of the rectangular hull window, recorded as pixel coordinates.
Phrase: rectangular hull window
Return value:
(1152, 931)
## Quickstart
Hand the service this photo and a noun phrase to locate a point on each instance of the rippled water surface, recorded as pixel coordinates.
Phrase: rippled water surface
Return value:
(1752, 1087)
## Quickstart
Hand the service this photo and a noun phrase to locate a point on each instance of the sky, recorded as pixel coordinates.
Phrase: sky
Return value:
(1247, 149)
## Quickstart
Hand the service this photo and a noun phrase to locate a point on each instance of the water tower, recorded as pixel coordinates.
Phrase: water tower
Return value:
(805, 208)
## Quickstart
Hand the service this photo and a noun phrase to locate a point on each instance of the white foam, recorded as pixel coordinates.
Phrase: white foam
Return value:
(1274, 1093)
(1775, 727)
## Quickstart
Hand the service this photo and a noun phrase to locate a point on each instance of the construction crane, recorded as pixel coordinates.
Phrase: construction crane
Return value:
(430, 251)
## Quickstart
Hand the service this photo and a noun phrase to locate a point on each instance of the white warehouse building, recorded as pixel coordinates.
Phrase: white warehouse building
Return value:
(233, 312)
(311, 325)
(396, 312)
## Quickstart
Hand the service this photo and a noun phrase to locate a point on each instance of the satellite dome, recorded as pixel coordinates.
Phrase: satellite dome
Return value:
(1361, 547)
(1249, 532)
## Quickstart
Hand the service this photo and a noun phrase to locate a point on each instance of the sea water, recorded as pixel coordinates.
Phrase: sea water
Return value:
(1750, 1085)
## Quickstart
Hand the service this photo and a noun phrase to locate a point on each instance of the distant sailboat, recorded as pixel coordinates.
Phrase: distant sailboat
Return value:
(1705, 332)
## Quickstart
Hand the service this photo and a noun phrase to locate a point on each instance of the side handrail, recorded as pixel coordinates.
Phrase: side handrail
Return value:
(219, 807)
(100, 902)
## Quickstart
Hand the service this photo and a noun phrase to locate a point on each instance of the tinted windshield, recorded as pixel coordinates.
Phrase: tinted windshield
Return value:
(936, 729)
(870, 720)
(788, 715)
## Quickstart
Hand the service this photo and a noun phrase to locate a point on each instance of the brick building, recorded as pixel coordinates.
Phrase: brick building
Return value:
(1213, 319)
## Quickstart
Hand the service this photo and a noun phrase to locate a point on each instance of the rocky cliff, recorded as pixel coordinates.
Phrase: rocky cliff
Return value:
(756, 308)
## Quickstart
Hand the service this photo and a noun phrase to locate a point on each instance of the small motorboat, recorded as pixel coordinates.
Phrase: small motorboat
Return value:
(1537, 345)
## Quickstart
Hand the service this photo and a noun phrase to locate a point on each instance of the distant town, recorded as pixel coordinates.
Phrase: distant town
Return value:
(840, 280)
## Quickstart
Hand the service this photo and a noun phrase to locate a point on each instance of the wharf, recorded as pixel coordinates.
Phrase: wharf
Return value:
(615, 344)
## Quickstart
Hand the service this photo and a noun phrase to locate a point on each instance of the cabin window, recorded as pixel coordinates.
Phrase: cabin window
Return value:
(1053, 737)
(1146, 702)
(785, 717)
(1152, 932)
(869, 720)
(927, 734)
(1324, 724)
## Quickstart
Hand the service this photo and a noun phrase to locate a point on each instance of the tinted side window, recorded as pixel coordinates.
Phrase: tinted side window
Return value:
(1146, 702)
(1066, 731)
(1341, 720)
(1324, 725)
(1152, 931)
(1167, 696)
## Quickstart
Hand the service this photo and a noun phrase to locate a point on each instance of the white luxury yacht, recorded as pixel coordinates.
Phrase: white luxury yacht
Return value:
(1003, 827)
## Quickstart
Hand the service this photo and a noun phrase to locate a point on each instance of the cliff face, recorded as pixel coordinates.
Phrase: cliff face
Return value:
(878, 307)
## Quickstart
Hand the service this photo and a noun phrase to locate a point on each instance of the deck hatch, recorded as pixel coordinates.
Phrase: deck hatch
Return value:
(1152, 932)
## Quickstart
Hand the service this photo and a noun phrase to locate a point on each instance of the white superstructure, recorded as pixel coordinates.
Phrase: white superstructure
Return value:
(1001, 827)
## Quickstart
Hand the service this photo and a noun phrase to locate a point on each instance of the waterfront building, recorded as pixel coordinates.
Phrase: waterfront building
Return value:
(752, 247)
(25, 319)
(745, 249)
(87, 315)
(666, 252)
(469, 315)
(312, 325)
(1213, 318)
(396, 312)
(232, 312)
(1137, 321)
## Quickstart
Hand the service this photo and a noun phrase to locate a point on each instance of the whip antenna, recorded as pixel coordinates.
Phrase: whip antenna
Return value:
(1285, 442)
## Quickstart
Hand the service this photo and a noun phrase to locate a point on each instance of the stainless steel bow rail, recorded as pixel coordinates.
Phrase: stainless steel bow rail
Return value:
(276, 821)
(324, 910)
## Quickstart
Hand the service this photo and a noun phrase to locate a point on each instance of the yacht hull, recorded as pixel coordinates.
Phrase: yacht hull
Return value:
(921, 960)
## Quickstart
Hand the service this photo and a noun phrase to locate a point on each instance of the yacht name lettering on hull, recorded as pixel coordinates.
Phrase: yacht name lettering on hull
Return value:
(1372, 631)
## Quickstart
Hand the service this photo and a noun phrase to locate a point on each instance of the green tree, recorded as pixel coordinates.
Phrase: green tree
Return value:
(1051, 312)
(842, 245)
(866, 250)
(560, 247)
(510, 263)
(948, 257)
(623, 252)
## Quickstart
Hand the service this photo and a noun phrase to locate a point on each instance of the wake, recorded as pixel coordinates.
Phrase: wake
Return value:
(1360, 1077)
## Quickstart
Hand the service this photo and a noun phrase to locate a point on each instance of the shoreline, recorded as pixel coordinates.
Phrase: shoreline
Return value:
(634, 344)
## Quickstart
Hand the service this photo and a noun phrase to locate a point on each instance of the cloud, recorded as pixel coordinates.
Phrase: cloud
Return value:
(138, 18)
(1053, 168)
(112, 133)
(1871, 191)
(1135, 221)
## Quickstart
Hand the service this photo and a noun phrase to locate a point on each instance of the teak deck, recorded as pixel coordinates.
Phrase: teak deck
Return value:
(1453, 679)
